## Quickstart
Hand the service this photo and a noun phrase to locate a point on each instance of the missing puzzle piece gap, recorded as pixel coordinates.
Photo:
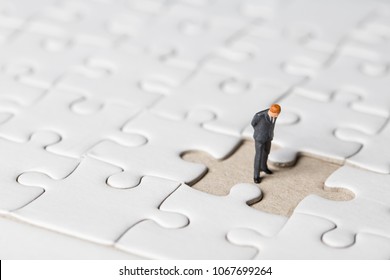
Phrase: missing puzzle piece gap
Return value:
(282, 191)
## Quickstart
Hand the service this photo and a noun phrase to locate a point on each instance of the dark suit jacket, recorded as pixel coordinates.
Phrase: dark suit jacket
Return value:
(264, 128)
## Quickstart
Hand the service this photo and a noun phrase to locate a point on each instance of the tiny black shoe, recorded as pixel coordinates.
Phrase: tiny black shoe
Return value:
(257, 180)
(267, 171)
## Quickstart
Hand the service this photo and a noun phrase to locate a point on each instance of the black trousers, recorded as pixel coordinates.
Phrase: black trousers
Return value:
(261, 157)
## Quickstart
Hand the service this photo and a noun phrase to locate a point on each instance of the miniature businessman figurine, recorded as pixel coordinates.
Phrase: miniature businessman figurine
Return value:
(263, 123)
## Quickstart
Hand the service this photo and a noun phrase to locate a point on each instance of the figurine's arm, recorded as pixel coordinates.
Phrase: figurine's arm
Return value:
(256, 118)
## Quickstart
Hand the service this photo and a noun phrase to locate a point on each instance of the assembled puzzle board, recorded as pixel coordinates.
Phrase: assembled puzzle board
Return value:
(125, 129)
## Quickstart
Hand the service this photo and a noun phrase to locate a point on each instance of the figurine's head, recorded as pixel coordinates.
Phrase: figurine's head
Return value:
(274, 110)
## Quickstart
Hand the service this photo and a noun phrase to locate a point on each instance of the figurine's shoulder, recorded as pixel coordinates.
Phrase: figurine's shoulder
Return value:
(261, 113)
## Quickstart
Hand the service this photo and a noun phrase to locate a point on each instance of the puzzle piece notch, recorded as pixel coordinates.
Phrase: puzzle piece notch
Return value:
(203, 238)
(300, 238)
(367, 212)
(29, 156)
(53, 113)
(66, 205)
(151, 158)
(321, 140)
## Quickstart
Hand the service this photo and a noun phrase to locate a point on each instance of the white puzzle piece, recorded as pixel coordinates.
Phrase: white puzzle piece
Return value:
(29, 156)
(372, 155)
(83, 204)
(210, 219)
(368, 212)
(300, 239)
(21, 241)
(160, 154)
(314, 132)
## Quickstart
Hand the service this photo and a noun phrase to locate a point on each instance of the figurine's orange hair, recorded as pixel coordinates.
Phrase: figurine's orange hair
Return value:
(275, 108)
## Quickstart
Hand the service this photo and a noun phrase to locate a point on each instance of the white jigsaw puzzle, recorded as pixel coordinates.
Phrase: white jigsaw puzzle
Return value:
(100, 100)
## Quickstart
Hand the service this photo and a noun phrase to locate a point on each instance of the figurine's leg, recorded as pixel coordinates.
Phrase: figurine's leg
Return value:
(264, 159)
(258, 155)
